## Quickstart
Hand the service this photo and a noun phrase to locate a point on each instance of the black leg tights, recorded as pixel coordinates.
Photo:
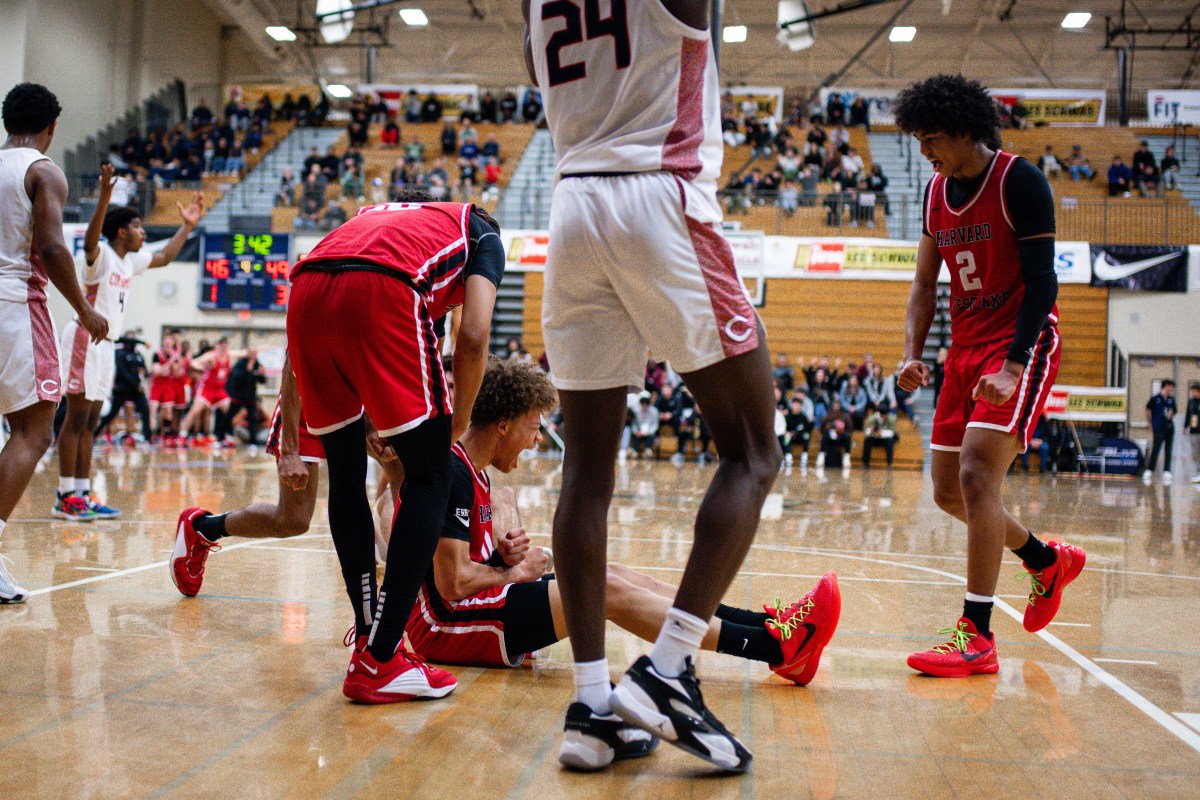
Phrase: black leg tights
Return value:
(350, 520)
(425, 453)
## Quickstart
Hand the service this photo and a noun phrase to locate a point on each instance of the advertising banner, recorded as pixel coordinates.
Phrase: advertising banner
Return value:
(769, 100)
(1056, 106)
(1147, 268)
(1087, 403)
(1173, 106)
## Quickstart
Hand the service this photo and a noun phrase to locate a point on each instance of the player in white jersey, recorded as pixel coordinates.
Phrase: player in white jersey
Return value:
(32, 252)
(637, 261)
(87, 367)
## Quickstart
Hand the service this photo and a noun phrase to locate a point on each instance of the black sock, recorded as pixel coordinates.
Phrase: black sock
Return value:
(754, 642)
(425, 453)
(1036, 554)
(351, 523)
(741, 616)
(980, 614)
(211, 526)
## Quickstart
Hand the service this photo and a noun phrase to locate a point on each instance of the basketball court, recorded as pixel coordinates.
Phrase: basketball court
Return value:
(119, 687)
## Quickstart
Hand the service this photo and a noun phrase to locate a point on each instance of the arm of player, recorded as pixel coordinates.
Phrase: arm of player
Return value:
(458, 577)
(922, 304)
(292, 471)
(191, 217)
(46, 187)
(528, 44)
(91, 239)
(471, 349)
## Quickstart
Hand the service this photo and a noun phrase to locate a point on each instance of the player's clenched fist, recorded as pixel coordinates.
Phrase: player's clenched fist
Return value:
(915, 373)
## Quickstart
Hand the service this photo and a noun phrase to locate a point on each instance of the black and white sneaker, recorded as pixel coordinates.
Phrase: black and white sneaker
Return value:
(592, 741)
(673, 709)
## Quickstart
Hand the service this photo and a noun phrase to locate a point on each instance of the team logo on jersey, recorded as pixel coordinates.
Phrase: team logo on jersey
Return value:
(965, 234)
(485, 514)
(738, 335)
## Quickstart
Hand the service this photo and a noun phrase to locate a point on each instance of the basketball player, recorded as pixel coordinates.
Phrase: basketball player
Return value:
(32, 252)
(489, 606)
(637, 261)
(989, 215)
(361, 338)
(298, 453)
(88, 369)
(167, 392)
(213, 368)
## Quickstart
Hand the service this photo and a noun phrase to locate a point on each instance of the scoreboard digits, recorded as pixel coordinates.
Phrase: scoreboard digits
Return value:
(244, 271)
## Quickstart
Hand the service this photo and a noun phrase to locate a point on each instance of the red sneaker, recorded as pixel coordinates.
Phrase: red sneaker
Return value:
(404, 677)
(804, 628)
(1046, 586)
(191, 551)
(967, 653)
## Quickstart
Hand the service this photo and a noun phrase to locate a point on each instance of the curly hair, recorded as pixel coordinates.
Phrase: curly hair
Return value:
(510, 389)
(29, 108)
(951, 104)
(413, 196)
(115, 218)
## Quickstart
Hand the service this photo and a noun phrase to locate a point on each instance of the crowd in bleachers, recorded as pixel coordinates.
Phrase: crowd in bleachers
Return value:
(1146, 174)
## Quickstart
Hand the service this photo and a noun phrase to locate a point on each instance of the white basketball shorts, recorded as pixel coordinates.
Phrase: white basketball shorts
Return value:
(87, 368)
(28, 357)
(637, 267)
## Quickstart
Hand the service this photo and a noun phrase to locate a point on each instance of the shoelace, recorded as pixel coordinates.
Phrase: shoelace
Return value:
(788, 619)
(199, 553)
(74, 505)
(960, 637)
(1036, 588)
(5, 576)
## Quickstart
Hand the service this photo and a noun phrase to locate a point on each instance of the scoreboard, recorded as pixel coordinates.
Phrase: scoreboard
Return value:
(243, 271)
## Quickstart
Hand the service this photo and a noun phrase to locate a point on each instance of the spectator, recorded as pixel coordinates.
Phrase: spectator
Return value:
(491, 147)
(449, 138)
(242, 387)
(860, 114)
(304, 108)
(799, 423)
(879, 430)
(669, 409)
(1041, 443)
(1160, 413)
(839, 138)
(760, 138)
(390, 135)
(644, 427)
(1048, 163)
(285, 196)
(439, 171)
(785, 376)
(412, 106)
(334, 215)
(469, 152)
(263, 112)
(1145, 168)
(508, 107)
(531, 111)
(1192, 424)
(320, 111)
(810, 178)
(191, 171)
(789, 198)
(470, 110)
(789, 163)
(235, 162)
(331, 165)
(881, 391)
(905, 401)
(468, 132)
(730, 133)
(202, 116)
(377, 193)
(835, 109)
(1078, 164)
(749, 110)
(1120, 178)
(310, 207)
(491, 177)
(431, 108)
(854, 400)
(414, 151)
(439, 189)
(287, 109)
(836, 429)
(253, 139)
(1170, 170)
(487, 107)
(352, 185)
(852, 165)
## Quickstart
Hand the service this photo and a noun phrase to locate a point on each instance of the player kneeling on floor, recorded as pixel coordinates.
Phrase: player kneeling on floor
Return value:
(492, 604)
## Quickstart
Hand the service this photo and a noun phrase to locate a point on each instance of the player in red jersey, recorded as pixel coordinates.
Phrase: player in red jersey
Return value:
(490, 606)
(361, 339)
(989, 216)
(167, 393)
(298, 454)
(213, 367)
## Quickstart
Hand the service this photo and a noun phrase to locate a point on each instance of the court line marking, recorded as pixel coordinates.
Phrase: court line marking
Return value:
(846, 579)
(1190, 719)
(1126, 661)
(120, 573)
(1183, 732)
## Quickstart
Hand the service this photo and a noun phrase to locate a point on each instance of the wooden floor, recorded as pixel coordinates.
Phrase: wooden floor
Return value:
(115, 686)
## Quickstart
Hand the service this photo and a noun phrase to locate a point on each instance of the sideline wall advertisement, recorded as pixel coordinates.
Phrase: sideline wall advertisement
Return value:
(1145, 268)
(1055, 107)
(768, 98)
(1172, 106)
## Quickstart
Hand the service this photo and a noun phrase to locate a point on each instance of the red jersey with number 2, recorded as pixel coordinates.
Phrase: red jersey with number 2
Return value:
(979, 246)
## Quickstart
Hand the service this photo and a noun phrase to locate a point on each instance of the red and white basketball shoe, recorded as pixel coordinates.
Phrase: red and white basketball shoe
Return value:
(405, 676)
(804, 628)
(190, 553)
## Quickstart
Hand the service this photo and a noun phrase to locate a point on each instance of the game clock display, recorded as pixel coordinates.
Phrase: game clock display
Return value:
(245, 272)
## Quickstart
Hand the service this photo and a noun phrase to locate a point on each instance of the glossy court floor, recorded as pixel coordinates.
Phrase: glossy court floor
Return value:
(115, 686)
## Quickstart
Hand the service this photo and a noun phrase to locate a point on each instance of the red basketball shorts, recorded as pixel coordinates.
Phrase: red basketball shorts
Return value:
(965, 365)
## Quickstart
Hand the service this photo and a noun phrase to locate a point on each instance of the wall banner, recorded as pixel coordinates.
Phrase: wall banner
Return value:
(1146, 268)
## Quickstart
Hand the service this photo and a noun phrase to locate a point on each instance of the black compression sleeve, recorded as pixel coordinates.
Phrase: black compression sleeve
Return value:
(487, 251)
(1041, 290)
(1029, 200)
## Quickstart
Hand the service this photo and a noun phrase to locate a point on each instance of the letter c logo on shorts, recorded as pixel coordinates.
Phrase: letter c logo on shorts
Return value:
(73, 384)
(49, 386)
(736, 335)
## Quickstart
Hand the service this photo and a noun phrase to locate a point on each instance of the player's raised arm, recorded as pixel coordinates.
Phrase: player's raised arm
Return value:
(191, 217)
(91, 239)
(47, 188)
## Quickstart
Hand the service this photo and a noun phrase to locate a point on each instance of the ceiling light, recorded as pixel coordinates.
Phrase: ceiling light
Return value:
(1076, 19)
(414, 17)
(281, 34)
(902, 33)
(734, 34)
(339, 90)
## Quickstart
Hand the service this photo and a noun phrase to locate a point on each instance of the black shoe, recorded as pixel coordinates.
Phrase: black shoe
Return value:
(592, 741)
(673, 709)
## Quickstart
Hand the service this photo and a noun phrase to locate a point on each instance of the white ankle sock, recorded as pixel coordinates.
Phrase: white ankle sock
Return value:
(66, 486)
(678, 640)
(592, 685)
(980, 598)
(82, 486)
